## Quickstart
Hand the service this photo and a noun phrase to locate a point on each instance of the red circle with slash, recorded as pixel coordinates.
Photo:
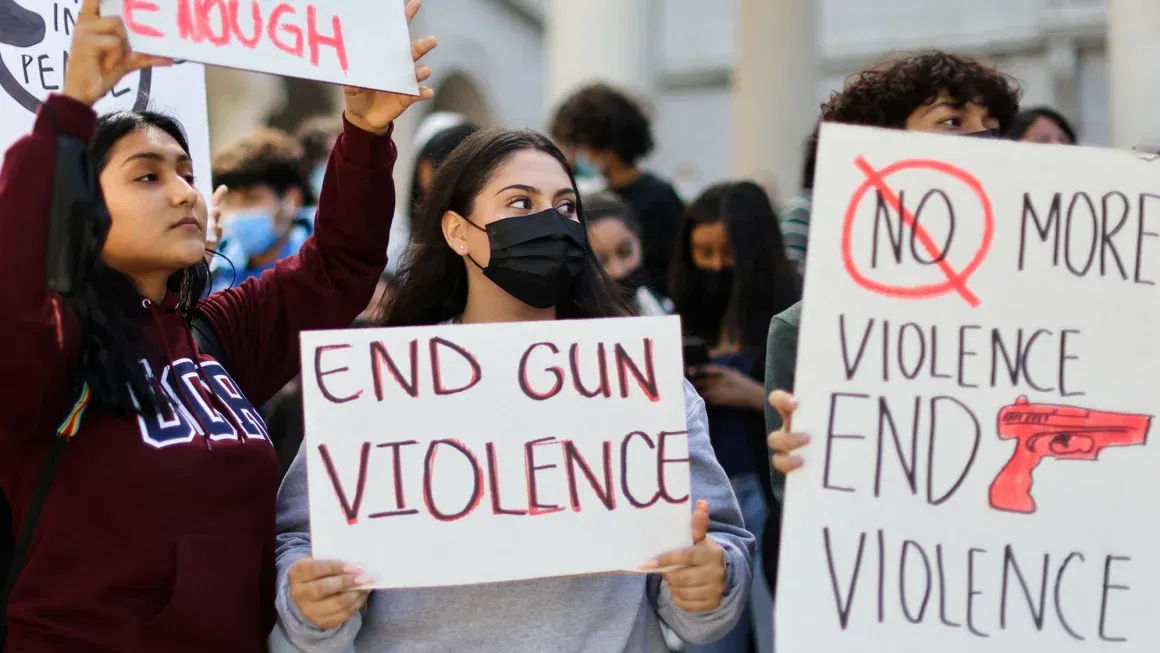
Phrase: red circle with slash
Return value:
(956, 280)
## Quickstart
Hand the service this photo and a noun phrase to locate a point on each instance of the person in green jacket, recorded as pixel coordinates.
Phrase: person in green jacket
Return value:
(932, 92)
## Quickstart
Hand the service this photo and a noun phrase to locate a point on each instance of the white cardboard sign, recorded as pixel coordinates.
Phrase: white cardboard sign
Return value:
(977, 369)
(362, 43)
(34, 43)
(453, 455)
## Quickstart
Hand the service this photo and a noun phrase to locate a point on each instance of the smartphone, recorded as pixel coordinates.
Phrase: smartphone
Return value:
(696, 352)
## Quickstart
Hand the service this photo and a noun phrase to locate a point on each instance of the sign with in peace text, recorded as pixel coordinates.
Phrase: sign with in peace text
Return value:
(362, 43)
(35, 36)
(453, 455)
(977, 371)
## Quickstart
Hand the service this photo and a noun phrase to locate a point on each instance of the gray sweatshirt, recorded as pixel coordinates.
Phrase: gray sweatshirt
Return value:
(596, 614)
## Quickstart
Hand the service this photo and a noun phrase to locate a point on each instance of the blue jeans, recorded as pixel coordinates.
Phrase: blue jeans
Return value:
(757, 623)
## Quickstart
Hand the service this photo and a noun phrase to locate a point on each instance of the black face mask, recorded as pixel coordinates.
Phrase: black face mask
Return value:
(535, 258)
(715, 283)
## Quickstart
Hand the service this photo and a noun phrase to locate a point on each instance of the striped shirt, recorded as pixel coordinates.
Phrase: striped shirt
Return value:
(795, 229)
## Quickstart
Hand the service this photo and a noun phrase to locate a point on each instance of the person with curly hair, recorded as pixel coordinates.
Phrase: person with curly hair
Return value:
(602, 131)
(267, 207)
(930, 91)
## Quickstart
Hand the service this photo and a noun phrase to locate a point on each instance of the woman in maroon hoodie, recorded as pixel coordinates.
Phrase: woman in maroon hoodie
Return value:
(158, 532)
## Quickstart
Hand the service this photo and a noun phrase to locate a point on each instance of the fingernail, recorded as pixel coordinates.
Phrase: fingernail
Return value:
(793, 402)
(796, 461)
(353, 570)
(803, 438)
(651, 564)
(362, 580)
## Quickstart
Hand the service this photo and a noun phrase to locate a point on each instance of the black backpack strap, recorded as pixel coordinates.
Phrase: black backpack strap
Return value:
(64, 432)
(207, 339)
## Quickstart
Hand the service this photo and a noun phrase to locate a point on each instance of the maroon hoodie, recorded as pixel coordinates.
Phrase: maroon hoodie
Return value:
(158, 534)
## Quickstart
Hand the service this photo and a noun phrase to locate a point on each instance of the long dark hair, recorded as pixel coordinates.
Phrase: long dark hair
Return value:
(108, 305)
(432, 279)
(1028, 117)
(764, 281)
(437, 148)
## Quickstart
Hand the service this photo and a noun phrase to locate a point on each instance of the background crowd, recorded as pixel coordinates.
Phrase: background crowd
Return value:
(727, 255)
(729, 262)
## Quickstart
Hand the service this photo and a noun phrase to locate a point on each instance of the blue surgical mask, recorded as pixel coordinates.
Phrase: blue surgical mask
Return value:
(252, 229)
(584, 168)
(316, 177)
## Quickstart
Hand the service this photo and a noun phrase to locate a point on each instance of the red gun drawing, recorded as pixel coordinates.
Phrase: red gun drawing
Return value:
(1056, 431)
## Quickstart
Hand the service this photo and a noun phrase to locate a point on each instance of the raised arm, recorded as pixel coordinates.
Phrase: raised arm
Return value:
(43, 176)
(333, 276)
(326, 284)
(36, 357)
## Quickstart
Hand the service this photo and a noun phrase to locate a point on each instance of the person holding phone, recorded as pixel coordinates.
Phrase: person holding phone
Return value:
(729, 278)
(158, 531)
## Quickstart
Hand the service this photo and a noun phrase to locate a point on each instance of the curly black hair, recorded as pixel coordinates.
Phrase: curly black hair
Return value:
(604, 118)
(886, 94)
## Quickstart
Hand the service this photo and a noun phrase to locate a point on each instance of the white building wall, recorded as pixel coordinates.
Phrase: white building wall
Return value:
(1056, 48)
(1028, 39)
(497, 48)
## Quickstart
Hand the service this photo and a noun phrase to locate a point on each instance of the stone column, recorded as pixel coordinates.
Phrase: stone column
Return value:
(239, 102)
(596, 40)
(775, 86)
(1134, 69)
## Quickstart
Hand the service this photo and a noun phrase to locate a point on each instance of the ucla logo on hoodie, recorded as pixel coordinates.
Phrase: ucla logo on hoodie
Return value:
(218, 411)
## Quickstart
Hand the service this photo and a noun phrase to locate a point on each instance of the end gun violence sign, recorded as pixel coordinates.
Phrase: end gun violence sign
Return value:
(977, 371)
(453, 455)
(362, 43)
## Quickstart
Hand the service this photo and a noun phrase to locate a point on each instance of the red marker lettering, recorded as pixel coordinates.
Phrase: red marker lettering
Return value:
(132, 6)
(187, 26)
(349, 509)
(317, 39)
(256, 12)
(276, 24)
(207, 27)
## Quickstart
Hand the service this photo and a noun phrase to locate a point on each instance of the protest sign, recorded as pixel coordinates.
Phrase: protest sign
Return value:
(453, 455)
(35, 36)
(974, 370)
(362, 43)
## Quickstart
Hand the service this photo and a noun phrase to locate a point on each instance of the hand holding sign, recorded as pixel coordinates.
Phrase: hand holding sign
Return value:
(325, 592)
(782, 441)
(697, 580)
(374, 111)
(101, 56)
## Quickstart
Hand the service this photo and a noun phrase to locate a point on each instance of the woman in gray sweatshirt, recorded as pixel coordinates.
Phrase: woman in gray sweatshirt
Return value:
(500, 238)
